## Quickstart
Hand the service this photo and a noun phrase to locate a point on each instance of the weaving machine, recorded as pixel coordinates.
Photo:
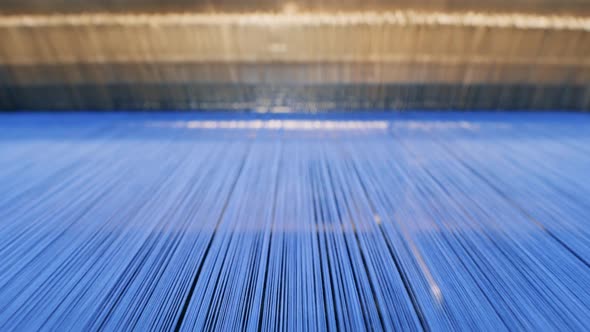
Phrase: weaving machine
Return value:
(294, 165)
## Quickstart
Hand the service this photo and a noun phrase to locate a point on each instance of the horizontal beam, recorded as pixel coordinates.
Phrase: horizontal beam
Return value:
(577, 7)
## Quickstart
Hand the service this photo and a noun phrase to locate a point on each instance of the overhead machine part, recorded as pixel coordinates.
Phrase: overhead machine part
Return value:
(304, 55)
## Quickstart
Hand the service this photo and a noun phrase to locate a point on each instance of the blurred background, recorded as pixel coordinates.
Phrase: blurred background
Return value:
(303, 56)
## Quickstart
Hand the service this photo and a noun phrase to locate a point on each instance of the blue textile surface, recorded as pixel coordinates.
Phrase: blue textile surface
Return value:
(409, 221)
